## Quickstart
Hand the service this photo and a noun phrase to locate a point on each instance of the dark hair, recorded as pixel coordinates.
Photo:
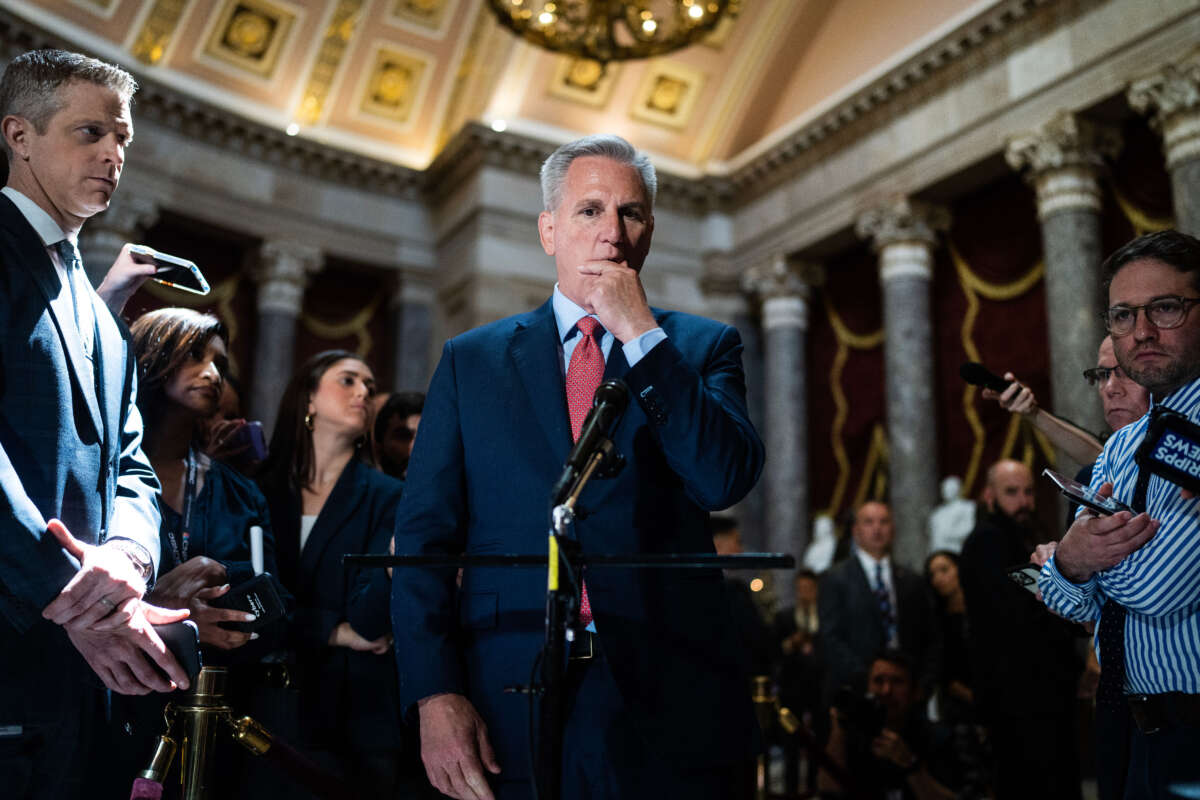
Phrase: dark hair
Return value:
(163, 341)
(290, 462)
(719, 526)
(806, 573)
(1174, 248)
(941, 601)
(31, 82)
(896, 658)
(401, 404)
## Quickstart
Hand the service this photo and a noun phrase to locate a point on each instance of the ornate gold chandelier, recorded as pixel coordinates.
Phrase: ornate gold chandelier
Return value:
(612, 30)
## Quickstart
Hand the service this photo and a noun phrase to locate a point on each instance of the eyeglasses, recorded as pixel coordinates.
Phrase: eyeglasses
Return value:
(1098, 376)
(1162, 312)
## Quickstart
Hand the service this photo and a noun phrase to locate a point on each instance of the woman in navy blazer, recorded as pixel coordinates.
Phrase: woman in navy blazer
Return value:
(327, 500)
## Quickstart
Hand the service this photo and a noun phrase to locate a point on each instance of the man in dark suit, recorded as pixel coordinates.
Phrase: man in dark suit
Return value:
(1024, 664)
(79, 525)
(658, 701)
(868, 603)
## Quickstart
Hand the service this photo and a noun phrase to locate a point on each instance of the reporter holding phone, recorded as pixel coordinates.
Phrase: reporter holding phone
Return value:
(327, 499)
(208, 510)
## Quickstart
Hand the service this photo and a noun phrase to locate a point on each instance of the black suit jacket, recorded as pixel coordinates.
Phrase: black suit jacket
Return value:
(852, 631)
(70, 448)
(1023, 658)
(347, 698)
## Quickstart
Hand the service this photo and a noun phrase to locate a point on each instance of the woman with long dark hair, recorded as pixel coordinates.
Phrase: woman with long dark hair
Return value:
(955, 698)
(328, 500)
(208, 512)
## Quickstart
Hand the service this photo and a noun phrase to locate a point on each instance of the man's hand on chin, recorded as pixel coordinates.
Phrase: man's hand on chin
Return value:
(618, 299)
(455, 747)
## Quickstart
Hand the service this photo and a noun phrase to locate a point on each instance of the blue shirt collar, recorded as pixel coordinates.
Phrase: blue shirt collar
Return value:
(566, 313)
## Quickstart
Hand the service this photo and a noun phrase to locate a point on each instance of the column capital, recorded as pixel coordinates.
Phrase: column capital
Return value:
(282, 273)
(408, 289)
(902, 221)
(1172, 97)
(782, 277)
(1066, 140)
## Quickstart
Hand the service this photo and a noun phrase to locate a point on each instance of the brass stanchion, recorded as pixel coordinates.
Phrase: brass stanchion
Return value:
(201, 715)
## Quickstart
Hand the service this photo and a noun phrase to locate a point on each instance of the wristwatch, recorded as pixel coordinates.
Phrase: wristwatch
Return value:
(139, 555)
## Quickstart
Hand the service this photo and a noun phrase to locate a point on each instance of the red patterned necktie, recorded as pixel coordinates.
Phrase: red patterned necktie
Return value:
(584, 374)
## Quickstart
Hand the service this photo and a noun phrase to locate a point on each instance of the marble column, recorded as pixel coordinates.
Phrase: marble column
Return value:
(904, 234)
(1064, 160)
(1172, 96)
(127, 218)
(411, 310)
(282, 273)
(784, 292)
(726, 302)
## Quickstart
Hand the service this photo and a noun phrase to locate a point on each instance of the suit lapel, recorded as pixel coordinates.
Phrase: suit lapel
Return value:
(110, 366)
(535, 352)
(341, 504)
(41, 269)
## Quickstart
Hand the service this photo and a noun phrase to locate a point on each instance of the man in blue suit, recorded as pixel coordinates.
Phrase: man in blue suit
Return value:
(78, 521)
(658, 702)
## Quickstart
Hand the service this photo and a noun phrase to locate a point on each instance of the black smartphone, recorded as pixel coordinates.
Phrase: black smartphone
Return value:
(1085, 495)
(1025, 576)
(256, 596)
(173, 271)
(183, 641)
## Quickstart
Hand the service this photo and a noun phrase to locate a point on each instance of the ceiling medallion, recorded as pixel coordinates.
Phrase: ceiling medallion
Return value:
(612, 30)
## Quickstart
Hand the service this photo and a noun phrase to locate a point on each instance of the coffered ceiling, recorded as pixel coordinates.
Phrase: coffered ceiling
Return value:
(395, 79)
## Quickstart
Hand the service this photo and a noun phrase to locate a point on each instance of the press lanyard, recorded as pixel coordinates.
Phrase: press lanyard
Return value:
(179, 537)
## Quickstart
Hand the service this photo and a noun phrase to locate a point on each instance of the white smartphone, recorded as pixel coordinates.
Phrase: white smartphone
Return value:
(173, 271)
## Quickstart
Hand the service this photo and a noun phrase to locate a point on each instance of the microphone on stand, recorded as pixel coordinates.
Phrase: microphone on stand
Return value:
(608, 406)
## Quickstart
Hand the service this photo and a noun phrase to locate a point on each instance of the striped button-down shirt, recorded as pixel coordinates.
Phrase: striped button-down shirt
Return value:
(1158, 584)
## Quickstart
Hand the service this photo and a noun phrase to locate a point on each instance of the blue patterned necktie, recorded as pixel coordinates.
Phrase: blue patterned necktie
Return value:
(885, 605)
(80, 302)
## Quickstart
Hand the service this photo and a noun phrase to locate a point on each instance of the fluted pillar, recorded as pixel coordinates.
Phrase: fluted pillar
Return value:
(411, 311)
(1064, 160)
(282, 273)
(127, 218)
(784, 292)
(1172, 96)
(904, 234)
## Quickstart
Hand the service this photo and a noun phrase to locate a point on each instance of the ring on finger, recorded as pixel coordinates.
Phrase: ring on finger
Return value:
(109, 604)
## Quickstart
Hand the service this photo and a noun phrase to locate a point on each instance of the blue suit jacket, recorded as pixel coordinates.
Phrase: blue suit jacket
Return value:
(70, 447)
(493, 439)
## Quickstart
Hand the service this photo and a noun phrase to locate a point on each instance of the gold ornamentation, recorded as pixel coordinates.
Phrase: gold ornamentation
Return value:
(846, 340)
(250, 34)
(583, 80)
(355, 326)
(667, 95)
(1142, 222)
(874, 482)
(612, 30)
(342, 25)
(394, 82)
(975, 287)
(426, 13)
(157, 30)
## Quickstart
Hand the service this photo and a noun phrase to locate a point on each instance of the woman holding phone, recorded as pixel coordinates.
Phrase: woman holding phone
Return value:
(210, 514)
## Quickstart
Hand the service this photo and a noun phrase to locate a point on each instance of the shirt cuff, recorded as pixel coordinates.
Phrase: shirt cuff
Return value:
(1061, 594)
(635, 350)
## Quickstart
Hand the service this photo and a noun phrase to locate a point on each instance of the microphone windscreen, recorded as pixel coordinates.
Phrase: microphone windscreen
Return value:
(613, 392)
(977, 374)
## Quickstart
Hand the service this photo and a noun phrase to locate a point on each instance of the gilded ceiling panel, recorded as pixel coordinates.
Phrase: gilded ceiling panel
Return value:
(582, 80)
(250, 34)
(667, 94)
(393, 84)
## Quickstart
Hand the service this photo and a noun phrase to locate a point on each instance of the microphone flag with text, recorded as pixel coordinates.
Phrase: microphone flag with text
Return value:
(1171, 448)
(608, 406)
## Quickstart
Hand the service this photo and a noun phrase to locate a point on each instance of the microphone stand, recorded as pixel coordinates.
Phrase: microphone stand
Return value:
(564, 564)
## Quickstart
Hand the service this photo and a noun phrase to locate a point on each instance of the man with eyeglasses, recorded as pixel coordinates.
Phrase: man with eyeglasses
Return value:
(1138, 572)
